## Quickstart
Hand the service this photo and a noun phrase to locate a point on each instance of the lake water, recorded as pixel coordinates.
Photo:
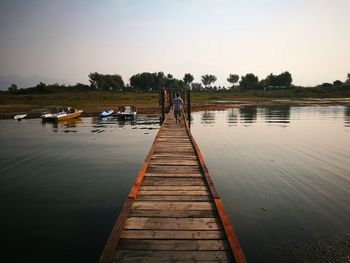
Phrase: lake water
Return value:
(62, 187)
(283, 174)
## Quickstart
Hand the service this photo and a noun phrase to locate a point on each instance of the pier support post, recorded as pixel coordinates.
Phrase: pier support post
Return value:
(162, 99)
(188, 97)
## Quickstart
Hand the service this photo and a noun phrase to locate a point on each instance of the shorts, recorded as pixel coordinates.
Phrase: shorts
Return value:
(177, 113)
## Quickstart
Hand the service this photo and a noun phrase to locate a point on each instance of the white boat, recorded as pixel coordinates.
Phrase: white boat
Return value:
(106, 113)
(20, 116)
(62, 115)
(127, 113)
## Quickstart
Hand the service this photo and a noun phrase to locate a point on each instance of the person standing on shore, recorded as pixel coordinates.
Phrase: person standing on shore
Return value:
(177, 106)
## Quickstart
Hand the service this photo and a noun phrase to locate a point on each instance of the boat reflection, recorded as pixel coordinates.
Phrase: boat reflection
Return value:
(139, 120)
(73, 123)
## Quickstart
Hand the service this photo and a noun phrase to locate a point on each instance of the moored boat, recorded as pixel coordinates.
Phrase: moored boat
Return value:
(20, 116)
(106, 113)
(62, 115)
(128, 113)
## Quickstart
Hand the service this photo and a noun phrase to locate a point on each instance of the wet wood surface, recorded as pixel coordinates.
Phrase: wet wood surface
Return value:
(171, 213)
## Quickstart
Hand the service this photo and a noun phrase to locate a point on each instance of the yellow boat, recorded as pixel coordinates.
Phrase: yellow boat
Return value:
(62, 115)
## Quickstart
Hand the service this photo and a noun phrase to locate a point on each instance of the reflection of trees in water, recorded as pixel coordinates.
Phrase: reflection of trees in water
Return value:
(276, 113)
(248, 114)
(208, 117)
(232, 117)
(347, 116)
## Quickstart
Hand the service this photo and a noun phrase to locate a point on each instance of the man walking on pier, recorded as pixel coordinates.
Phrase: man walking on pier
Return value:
(177, 106)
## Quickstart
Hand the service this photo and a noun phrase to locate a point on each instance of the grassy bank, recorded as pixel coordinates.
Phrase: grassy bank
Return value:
(95, 101)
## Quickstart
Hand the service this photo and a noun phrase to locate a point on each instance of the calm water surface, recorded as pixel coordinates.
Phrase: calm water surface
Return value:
(283, 174)
(62, 187)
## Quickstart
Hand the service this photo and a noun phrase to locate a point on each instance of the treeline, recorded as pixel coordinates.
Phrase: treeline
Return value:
(153, 82)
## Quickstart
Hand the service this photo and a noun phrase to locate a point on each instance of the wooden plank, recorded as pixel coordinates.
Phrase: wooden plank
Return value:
(173, 213)
(173, 162)
(154, 205)
(166, 192)
(172, 256)
(172, 143)
(173, 169)
(174, 245)
(174, 188)
(167, 137)
(173, 181)
(174, 198)
(173, 234)
(170, 149)
(157, 223)
(108, 250)
(230, 234)
(173, 175)
(170, 156)
(173, 140)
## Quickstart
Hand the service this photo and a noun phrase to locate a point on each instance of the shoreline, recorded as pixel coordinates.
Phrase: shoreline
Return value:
(34, 111)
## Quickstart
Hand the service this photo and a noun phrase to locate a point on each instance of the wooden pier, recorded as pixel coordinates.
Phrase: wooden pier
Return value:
(173, 212)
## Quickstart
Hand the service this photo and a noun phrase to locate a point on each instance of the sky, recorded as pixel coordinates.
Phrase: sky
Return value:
(68, 39)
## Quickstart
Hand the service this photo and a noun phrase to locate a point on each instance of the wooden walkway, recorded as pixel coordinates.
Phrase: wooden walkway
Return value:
(173, 212)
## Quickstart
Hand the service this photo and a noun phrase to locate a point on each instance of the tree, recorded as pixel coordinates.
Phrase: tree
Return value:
(143, 81)
(233, 78)
(13, 88)
(337, 83)
(249, 81)
(188, 78)
(106, 82)
(155, 81)
(283, 79)
(348, 79)
(207, 80)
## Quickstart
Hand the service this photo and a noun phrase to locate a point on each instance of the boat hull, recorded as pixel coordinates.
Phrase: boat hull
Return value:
(70, 116)
(61, 117)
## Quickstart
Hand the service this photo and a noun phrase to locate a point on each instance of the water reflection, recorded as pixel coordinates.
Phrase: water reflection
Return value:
(276, 114)
(208, 117)
(99, 125)
(232, 117)
(248, 114)
(66, 126)
(286, 187)
(347, 116)
(68, 186)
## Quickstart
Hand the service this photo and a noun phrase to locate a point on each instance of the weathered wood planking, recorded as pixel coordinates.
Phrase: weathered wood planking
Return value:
(173, 212)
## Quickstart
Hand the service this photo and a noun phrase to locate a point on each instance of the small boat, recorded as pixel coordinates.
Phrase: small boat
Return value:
(128, 113)
(62, 115)
(20, 116)
(106, 113)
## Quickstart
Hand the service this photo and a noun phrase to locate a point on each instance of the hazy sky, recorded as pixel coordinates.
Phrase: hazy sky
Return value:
(67, 39)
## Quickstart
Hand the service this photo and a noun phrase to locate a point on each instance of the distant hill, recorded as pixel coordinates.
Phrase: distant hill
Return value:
(26, 82)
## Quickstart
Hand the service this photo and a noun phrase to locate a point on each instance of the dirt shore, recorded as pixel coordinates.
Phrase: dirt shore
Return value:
(33, 111)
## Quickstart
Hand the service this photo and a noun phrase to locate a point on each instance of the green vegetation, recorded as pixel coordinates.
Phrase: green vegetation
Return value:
(188, 78)
(233, 79)
(106, 82)
(155, 81)
(207, 80)
(110, 91)
(249, 82)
